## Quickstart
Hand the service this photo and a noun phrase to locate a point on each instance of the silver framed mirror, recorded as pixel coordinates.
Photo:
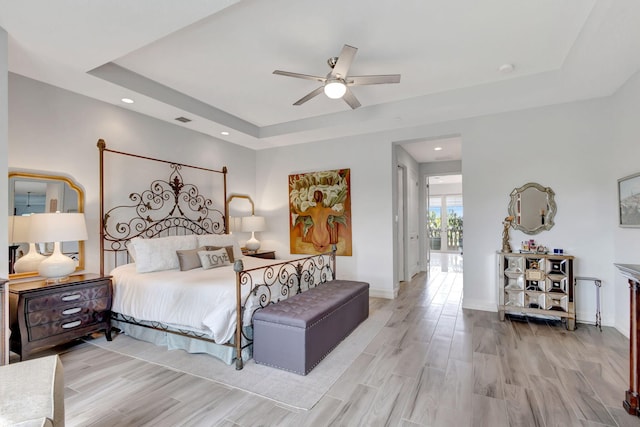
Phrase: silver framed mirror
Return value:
(31, 192)
(533, 208)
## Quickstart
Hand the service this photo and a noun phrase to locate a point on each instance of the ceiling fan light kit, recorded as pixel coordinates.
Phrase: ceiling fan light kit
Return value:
(336, 84)
(335, 89)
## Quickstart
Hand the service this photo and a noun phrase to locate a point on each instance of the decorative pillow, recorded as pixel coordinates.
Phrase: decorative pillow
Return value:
(188, 259)
(160, 253)
(229, 250)
(221, 240)
(214, 259)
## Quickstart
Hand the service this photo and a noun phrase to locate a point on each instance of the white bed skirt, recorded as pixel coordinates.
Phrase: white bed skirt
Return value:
(180, 342)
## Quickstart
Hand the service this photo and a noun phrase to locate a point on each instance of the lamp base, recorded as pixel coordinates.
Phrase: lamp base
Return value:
(252, 244)
(57, 266)
(30, 261)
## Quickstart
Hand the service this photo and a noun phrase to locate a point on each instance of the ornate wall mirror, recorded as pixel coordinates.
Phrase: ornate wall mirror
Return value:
(533, 208)
(39, 193)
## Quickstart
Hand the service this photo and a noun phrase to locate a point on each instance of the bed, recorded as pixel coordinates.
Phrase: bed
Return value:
(179, 279)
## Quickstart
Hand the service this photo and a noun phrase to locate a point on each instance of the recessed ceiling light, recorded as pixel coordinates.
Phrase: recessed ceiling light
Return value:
(127, 100)
(224, 132)
(506, 68)
(437, 149)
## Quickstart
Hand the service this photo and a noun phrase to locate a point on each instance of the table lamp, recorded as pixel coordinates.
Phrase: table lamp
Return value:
(252, 224)
(57, 227)
(19, 233)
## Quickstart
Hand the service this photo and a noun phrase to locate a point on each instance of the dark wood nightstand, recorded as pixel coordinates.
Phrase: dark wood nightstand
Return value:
(261, 254)
(45, 314)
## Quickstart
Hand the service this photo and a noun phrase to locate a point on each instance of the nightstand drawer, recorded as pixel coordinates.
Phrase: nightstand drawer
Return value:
(44, 314)
(55, 314)
(73, 295)
(67, 325)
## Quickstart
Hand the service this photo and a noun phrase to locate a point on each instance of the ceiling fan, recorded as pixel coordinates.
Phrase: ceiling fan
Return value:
(337, 83)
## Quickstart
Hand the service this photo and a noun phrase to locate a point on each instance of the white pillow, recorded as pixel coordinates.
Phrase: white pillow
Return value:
(213, 259)
(221, 240)
(131, 250)
(160, 253)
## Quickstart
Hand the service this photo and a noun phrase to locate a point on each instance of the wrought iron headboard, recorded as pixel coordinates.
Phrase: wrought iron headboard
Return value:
(166, 207)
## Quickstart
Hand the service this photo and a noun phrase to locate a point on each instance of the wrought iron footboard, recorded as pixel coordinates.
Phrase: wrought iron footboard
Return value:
(277, 282)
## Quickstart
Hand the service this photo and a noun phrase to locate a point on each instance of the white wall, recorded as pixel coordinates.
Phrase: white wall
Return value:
(4, 184)
(624, 143)
(4, 134)
(559, 147)
(369, 158)
(450, 167)
(445, 189)
(55, 131)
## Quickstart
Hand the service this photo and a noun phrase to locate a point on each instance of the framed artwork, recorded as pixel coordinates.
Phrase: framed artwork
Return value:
(629, 201)
(320, 212)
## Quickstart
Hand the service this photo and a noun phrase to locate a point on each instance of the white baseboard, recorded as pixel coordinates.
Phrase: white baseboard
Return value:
(478, 305)
(590, 319)
(621, 323)
(624, 332)
(383, 293)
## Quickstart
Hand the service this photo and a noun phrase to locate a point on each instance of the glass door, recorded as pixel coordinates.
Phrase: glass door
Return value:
(453, 222)
(444, 223)
(434, 223)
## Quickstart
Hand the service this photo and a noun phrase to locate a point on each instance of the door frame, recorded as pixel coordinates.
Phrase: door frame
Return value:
(401, 222)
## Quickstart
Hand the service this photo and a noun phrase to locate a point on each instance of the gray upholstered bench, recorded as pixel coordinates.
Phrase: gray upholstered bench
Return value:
(297, 333)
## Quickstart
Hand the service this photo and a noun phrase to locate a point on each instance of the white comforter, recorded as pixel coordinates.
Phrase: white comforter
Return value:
(197, 300)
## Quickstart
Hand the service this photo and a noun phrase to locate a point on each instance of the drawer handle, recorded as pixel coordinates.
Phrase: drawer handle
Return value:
(72, 324)
(71, 297)
(72, 310)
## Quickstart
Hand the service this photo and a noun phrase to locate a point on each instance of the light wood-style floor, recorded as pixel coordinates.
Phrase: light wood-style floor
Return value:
(433, 364)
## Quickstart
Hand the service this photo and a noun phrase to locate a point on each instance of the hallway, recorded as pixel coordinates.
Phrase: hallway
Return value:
(445, 262)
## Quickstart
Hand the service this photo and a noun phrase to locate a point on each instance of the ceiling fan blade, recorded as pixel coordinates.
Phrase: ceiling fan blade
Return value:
(344, 61)
(350, 99)
(300, 76)
(373, 80)
(310, 95)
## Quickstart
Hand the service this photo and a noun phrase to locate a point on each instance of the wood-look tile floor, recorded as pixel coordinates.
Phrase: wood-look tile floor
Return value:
(433, 364)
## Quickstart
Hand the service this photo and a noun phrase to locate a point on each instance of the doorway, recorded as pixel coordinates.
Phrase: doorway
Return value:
(445, 222)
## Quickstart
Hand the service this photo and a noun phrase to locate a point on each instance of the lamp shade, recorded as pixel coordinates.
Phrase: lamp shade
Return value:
(57, 227)
(253, 223)
(235, 224)
(19, 229)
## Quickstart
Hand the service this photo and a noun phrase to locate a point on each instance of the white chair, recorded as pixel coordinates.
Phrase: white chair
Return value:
(32, 393)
